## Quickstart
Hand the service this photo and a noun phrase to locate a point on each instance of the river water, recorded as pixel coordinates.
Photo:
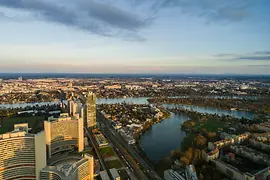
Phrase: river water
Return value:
(167, 135)
(23, 105)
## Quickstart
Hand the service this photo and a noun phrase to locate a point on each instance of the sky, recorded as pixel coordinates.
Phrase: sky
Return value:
(135, 36)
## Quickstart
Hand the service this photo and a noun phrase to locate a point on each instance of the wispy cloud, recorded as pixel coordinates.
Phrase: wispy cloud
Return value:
(255, 56)
(211, 10)
(262, 52)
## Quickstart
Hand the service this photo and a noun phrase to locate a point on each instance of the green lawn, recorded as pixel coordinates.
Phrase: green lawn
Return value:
(123, 175)
(114, 164)
(212, 125)
(107, 151)
(8, 123)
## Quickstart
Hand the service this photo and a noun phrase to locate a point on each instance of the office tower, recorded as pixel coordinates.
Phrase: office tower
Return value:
(74, 106)
(22, 155)
(91, 109)
(64, 134)
(70, 107)
(77, 105)
(82, 169)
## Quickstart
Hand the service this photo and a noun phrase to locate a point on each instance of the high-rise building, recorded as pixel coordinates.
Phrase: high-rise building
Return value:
(74, 106)
(91, 109)
(82, 169)
(22, 155)
(64, 134)
(70, 107)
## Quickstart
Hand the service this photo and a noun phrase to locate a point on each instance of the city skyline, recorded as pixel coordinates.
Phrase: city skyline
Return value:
(169, 36)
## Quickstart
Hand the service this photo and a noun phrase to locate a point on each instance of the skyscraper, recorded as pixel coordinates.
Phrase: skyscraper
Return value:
(91, 109)
(22, 155)
(64, 134)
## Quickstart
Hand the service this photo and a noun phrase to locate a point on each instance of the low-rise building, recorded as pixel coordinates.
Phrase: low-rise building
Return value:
(104, 175)
(231, 171)
(115, 174)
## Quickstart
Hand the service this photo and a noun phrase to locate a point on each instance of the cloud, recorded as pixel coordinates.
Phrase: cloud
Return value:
(211, 10)
(262, 52)
(95, 17)
(4, 16)
(254, 56)
(126, 21)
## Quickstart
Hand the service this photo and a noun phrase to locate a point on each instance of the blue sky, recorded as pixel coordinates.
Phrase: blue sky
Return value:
(135, 36)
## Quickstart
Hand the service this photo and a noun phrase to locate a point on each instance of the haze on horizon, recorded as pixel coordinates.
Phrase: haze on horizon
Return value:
(135, 36)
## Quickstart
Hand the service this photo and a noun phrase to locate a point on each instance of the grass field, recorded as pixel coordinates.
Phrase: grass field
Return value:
(107, 152)
(114, 164)
(7, 123)
(212, 125)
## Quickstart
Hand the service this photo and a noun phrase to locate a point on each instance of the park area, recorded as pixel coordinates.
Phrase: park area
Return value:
(34, 122)
(107, 152)
(211, 125)
(114, 164)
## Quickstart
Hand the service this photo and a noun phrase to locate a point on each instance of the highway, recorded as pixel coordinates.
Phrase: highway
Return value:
(117, 139)
(101, 160)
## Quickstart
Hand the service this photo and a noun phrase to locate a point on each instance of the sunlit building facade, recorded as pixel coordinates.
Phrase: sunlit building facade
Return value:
(64, 134)
(22, 155)
(82, 169)
(91, 109)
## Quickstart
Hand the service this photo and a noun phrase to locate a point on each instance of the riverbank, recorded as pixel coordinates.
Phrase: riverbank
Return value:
(257, 106)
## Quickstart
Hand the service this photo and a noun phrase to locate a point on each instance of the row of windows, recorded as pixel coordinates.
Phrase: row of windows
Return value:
(62, 129)
(21, 171)
(17, 151)
(49, 176)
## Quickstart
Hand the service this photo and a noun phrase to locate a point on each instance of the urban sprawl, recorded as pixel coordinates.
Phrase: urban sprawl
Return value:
(90, 128)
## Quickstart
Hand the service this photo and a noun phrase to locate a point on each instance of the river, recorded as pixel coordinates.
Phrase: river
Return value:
(23, 105)
(167, 135)
(143, 100)
(163, 137)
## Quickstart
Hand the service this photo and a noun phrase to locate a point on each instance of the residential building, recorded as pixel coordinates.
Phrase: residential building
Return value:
(231, 171)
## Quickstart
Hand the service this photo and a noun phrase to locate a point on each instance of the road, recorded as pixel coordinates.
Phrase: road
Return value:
(117, 139)
(122, 153)
(101, 160)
